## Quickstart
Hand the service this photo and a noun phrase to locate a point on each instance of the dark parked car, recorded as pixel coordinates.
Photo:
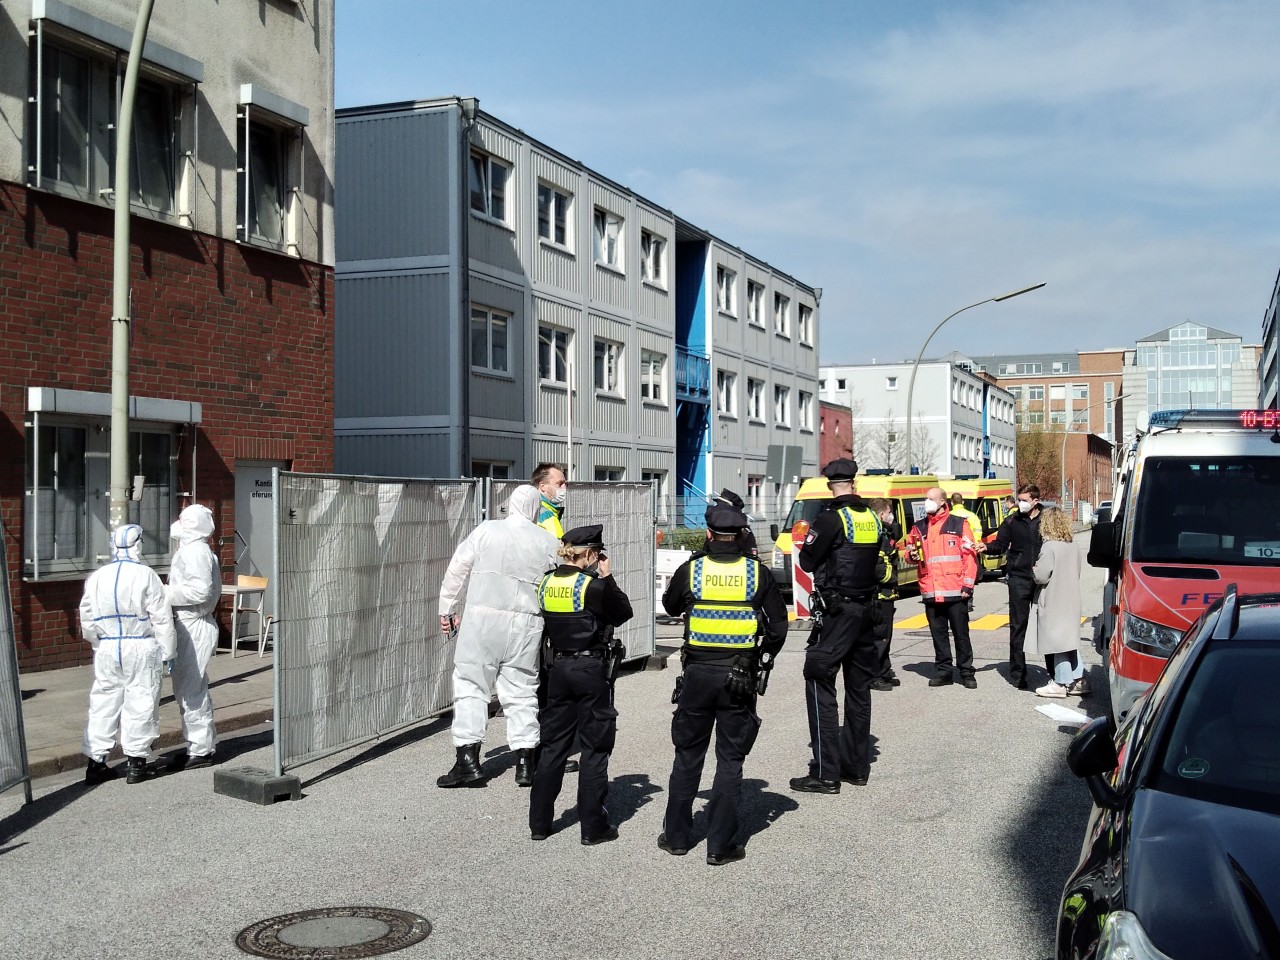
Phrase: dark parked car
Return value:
(1181, 858)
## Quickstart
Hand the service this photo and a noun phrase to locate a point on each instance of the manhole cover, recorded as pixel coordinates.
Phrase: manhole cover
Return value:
(334, 933)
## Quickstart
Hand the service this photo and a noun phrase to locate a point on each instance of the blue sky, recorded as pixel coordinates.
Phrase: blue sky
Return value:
(909, 158)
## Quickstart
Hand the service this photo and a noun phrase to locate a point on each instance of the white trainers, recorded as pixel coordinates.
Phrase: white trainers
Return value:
(1052, 689)
(1078, 688)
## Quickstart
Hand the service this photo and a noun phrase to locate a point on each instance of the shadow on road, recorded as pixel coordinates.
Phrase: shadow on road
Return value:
(38, 811)
(30, 694)
(627, 794)
(380, 749)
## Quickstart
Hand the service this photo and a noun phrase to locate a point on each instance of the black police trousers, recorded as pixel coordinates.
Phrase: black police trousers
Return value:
(953, 615)
(1021, 592)
(845, 644)
(883, 633)
(705, 705)
(579, 702)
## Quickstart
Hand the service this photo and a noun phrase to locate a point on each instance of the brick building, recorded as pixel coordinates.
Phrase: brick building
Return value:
(835, 438)
(231, 283)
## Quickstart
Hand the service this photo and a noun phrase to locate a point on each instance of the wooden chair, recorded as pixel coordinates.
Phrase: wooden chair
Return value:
(250, 597)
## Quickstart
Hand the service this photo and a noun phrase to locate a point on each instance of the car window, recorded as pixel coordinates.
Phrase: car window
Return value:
(1224, 744)
(1136, 737)
(806, 510)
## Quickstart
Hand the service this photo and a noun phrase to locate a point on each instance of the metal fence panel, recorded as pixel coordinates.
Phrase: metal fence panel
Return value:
(359, 563)
(627, 512)
(13, 741)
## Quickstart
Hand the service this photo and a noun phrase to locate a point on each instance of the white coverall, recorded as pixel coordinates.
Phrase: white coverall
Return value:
(125, 615)
(498, 639)
(195, 585)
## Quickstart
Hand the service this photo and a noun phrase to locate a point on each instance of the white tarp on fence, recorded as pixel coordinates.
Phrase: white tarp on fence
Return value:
(359, 650)
(627, 512)
(13, 744)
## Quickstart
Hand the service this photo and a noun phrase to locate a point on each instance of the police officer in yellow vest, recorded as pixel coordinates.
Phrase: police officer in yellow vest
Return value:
(850, 557)
(580, 603)
(728, 600)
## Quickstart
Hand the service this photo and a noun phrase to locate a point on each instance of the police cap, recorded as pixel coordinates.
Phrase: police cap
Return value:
(724, 519)
(842, 470)
(591, 535)
(731, 498)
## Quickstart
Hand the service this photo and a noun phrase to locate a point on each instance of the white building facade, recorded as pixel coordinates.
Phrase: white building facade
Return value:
(962, 423)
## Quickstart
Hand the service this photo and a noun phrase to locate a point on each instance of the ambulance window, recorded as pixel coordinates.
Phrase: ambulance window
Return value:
(806, 510)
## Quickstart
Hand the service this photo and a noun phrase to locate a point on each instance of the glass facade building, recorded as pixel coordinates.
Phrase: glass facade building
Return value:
(1188, 366)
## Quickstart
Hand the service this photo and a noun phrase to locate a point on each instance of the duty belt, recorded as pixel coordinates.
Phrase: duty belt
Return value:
(597, 652)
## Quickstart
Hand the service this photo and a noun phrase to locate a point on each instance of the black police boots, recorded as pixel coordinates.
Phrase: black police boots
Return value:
(524, 768)
(812, 784)
(466, 771)
(97, 771)
(138, 770)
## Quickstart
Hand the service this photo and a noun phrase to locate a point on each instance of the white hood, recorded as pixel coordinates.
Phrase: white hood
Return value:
(524, 502)
(193, 523)
(126, 543)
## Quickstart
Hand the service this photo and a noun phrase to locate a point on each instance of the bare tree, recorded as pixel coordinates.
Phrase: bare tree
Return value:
(926, 451)
(860, 437)
(1038, 458)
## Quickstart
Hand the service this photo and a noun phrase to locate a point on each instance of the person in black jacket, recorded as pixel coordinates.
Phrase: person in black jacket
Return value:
(581, 603)
(746, 539)
(850, 558)
(1019, 538)
(728, 600)
(886, 599)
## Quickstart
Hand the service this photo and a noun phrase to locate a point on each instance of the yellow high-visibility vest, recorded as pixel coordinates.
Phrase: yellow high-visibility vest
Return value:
(722, 614)
(563, 594)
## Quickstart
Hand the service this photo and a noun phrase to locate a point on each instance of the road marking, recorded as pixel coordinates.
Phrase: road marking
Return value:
(992, 621)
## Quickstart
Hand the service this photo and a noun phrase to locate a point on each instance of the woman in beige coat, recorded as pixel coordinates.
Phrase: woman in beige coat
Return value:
(1056, 614)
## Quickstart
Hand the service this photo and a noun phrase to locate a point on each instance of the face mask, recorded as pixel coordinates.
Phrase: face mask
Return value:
(931, 506)
(1024, 506)
(561, 495)
(593, 567)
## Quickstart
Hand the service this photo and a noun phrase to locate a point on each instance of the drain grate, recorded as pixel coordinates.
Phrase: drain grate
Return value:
(334, 933)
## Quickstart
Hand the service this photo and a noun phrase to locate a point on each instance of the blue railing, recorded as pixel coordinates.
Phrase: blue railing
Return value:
(693, 376)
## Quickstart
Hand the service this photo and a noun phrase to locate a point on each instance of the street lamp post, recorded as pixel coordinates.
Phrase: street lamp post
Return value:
(915, 367)
(1062, 456)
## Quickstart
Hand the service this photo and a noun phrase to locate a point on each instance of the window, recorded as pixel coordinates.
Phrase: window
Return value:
(755, 303)
(804, 324)
(489, 340)
(891, 436)
(493, 469)
(804, 414)
(727, 393)
(1060, 366)
(822, 384)
(76, 96)
(755, 494)
(755, 399)
(264, 184)
(1057, 416)
(726, 290)
(608, 475)
(607, 239)
(1035, 419)
(66, 517)
(781, 315)
(653, 375)
(1035, 393)
(659, 479)
(1015, 392)
(782, 406)
(1057, 391)
(653, 249)
(842, 383)
(553, 214)
(489, 185)
(1080, 391)
(553, 354)
(606, 373)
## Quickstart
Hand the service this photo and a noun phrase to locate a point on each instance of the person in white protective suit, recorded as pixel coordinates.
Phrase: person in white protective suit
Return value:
(125, 615)
(499, 565)
(195, 585)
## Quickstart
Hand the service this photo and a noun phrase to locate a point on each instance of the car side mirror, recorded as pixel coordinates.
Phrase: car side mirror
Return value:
(1091, 756)
(1102, 545)
(773, 531)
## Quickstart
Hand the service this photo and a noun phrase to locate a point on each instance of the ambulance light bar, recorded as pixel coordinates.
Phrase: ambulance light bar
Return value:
(1238, 419)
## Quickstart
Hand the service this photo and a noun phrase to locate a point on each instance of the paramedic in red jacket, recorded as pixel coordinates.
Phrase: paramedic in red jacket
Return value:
(943, 545)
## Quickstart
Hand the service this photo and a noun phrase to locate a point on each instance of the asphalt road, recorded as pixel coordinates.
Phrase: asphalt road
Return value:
(957, 848)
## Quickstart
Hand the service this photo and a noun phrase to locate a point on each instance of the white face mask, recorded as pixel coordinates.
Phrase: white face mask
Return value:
(931, 506)
(1024, 506)
(561, 495)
